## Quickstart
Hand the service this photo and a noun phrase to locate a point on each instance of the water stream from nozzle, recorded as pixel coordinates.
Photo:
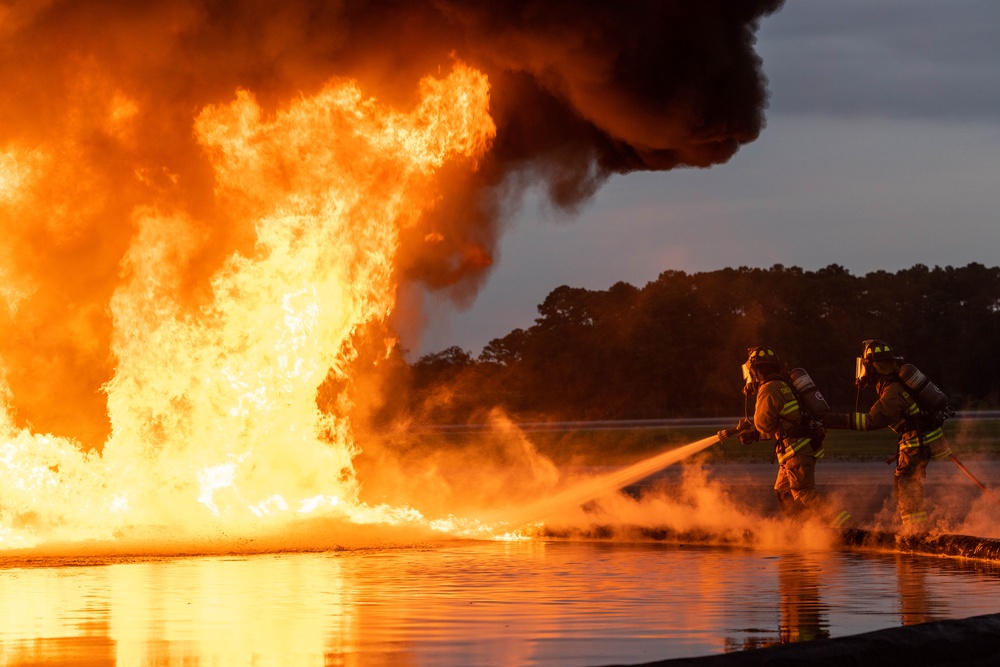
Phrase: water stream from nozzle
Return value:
(603, 484)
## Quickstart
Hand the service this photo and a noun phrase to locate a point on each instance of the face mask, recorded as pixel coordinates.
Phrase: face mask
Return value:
(749, 385)
(860, 371)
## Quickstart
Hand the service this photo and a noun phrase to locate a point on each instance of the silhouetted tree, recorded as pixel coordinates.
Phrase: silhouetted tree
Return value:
(674, 346)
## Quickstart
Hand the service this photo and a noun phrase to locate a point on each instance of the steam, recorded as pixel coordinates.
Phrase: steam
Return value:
(702, 510)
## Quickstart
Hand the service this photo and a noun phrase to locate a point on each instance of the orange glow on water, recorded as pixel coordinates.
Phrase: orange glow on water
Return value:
(214, 423)
(467, 603)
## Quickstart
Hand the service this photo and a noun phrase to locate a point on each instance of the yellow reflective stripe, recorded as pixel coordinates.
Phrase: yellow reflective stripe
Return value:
(928, 438)
(790, 406)
(860, 421)
(789, 449)
(913, 409)
(841, 518)
(799, 444)
(933, 435)
(785, 454)
(819, 453)
(914, 517)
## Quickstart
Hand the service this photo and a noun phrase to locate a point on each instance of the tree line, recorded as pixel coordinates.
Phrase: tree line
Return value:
(674, 347)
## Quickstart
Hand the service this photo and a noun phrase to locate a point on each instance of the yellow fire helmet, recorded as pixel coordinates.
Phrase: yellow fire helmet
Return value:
(877, 358)
(761, 362)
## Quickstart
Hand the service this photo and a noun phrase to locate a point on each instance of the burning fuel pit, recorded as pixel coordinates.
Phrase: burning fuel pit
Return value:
(620, 596)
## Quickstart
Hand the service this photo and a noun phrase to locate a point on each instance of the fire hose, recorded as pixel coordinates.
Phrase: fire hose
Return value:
(982, 486)
(727, 433)
(744, 425)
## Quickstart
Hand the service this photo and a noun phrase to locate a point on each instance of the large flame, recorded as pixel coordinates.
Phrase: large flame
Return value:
(213, 411)
(196, 227)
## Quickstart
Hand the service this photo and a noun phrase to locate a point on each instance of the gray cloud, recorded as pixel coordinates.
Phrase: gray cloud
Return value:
(893, 58)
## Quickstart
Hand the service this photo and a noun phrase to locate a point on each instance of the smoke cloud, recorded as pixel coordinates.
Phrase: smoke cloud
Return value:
(100, 98)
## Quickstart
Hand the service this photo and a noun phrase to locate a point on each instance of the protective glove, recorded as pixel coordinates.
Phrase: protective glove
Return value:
(748, 436)
(742, 425)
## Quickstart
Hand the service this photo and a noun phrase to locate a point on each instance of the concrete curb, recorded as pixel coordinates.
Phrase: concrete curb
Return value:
(941, 544)
(924, 544)
(970, 642)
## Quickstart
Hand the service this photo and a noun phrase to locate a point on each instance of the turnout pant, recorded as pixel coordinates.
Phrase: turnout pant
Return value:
(796, 483)
(797, 494)
(908, 484)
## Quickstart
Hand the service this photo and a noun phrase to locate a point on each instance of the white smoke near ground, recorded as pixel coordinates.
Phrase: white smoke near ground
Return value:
(696, 508)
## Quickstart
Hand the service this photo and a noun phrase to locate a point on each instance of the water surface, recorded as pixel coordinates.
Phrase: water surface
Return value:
(469, 603)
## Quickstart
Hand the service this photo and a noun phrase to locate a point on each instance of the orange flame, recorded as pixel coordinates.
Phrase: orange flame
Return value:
(213, 414)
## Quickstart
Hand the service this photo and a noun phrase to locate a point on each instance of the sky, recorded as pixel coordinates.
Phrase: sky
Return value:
(881, 151)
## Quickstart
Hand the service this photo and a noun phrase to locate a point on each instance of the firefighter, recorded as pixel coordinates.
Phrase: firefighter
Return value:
(798, 438)
(920, 437)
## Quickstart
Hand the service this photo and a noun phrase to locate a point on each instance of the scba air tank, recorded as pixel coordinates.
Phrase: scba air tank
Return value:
(811, 398)
(929, 397)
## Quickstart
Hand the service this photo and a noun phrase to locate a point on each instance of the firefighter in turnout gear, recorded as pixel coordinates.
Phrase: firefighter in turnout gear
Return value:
(920, 435)
(798, 435)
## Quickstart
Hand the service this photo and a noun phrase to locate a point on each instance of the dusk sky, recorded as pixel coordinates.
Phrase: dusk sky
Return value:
(881, 151)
